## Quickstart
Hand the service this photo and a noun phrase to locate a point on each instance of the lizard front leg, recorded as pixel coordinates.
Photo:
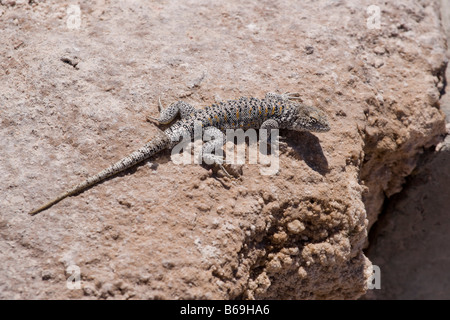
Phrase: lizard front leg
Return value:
(212, 145)
(215, 145)
(167, 115)
(268, 125)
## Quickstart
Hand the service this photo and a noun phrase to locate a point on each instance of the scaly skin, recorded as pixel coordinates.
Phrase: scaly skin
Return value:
(273, 112)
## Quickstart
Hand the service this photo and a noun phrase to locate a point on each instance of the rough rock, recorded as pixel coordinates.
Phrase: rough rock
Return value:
(403, 125)
(410, 242)
(76, 92)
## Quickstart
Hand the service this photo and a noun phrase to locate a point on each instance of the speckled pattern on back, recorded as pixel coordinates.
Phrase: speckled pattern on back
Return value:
(248, 113)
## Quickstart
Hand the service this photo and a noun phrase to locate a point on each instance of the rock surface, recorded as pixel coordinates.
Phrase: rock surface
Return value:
(410, 242)
(76, 92)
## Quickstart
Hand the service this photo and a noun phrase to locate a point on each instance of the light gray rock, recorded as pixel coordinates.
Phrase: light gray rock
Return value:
(410, 242)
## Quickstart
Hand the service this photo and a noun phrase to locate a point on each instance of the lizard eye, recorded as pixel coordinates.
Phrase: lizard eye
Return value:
(313, 120)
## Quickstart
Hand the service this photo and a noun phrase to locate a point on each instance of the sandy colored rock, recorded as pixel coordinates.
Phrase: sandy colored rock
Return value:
(411, 241)
(75, 99)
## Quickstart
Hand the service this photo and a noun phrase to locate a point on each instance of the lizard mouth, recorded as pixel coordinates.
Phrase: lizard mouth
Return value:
(313, 128)
(324, 128)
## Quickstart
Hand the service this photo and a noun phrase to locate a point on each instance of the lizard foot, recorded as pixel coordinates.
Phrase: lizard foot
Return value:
(291, 96)
(160, 108)
(233, 169)
(285, 96)
(152, 119)
(229, 170)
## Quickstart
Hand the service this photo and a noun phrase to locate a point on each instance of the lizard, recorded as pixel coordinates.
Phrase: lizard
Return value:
(274, 111)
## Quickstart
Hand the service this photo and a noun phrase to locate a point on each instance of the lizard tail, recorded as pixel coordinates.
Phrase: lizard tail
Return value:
(152, 147)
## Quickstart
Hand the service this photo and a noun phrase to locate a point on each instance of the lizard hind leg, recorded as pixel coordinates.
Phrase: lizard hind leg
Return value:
(167, 115)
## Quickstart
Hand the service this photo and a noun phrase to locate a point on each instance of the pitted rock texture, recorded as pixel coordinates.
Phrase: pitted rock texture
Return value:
(410, 242)
(74, 100)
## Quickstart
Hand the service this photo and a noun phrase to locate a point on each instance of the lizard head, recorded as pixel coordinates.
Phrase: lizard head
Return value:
(310, 119)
